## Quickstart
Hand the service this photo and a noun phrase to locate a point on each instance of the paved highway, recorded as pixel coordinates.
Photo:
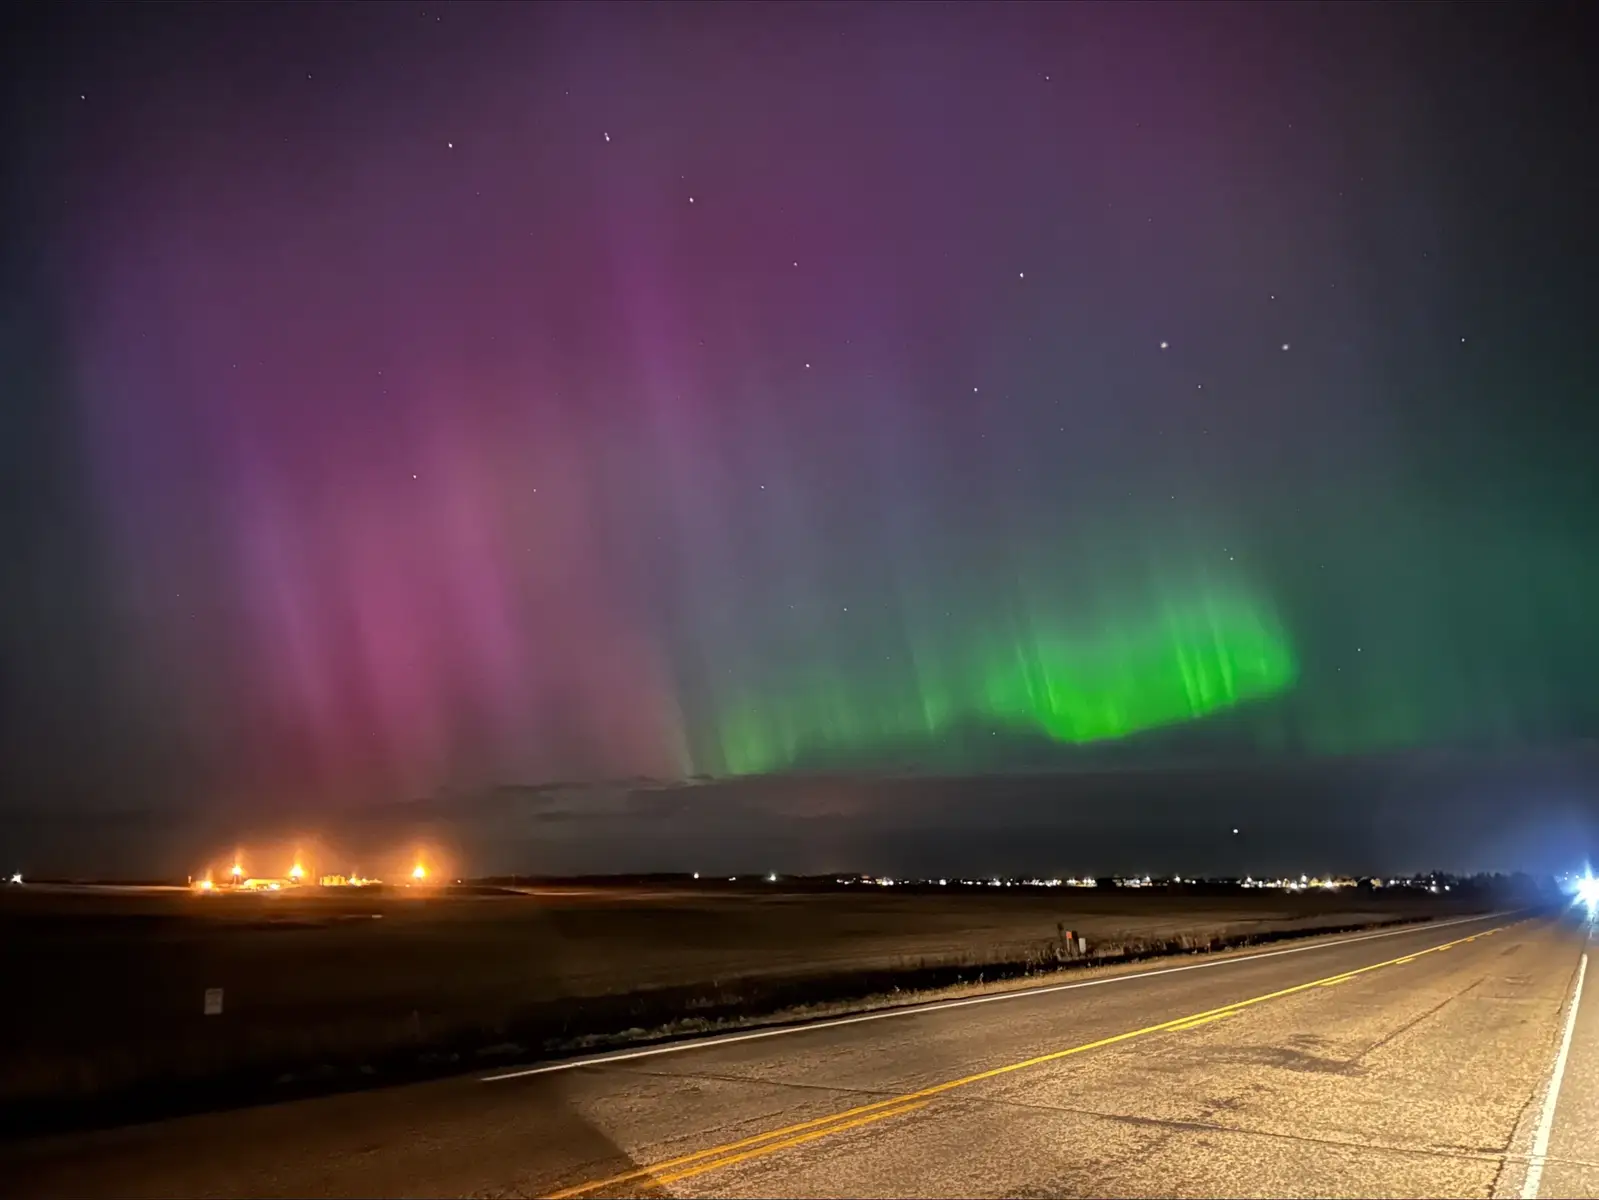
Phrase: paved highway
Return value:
(1434, 1061)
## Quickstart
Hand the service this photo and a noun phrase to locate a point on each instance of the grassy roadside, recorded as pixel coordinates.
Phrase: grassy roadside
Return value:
(216, 1065)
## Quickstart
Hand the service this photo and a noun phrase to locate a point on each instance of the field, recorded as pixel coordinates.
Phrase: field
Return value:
(106, 991)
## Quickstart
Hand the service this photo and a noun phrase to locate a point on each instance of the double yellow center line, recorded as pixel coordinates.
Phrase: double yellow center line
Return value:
(760, 1145)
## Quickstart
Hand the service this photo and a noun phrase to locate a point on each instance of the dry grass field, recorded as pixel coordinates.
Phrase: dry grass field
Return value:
(105, 991)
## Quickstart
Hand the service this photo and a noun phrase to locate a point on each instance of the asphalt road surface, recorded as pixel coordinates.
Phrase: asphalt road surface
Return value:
(1444, 1060)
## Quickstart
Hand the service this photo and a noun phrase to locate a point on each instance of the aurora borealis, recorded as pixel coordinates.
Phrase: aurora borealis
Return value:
(406, 398)
(1180, 661)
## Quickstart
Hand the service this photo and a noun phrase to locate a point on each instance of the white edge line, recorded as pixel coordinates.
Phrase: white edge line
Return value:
(938, 1005)
(1546, 1121)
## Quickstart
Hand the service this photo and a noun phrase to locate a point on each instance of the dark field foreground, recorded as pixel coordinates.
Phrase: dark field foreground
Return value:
(105, 993)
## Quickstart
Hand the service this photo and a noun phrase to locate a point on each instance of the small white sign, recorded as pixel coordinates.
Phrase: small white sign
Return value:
(213, 1002)
(1082, 948)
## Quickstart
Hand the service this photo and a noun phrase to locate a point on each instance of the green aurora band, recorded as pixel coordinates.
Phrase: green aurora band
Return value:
(1168, 661)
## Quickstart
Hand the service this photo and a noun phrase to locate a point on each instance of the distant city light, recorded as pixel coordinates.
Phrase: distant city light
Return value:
(420, 873)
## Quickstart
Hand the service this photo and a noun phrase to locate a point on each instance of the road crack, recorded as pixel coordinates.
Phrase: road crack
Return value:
(1411, 1024)
(1199, 1125)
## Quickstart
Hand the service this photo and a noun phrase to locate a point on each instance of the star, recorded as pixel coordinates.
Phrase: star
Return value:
(1285, 345)
(607, 137)
(1021, 274)
(691, 199)
(449, 145)
(1163, 345)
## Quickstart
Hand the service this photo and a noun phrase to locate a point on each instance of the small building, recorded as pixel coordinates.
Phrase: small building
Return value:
(266, 885)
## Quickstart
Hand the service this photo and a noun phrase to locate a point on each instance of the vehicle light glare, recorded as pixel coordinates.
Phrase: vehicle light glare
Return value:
(1588, 891)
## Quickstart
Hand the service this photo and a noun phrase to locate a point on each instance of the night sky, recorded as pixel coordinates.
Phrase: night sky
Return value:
(405, 397)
